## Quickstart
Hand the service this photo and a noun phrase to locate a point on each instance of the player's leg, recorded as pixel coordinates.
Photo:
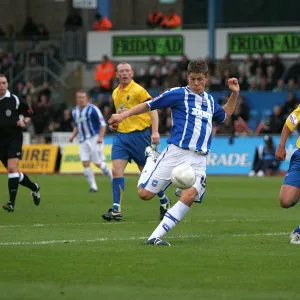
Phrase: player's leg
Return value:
(11, 155)
(145, 157)
(187, 197)
(85, 157)
(120, 157)
(33, 186)
(90, 176)
(151, 158)
(118, 188)
(290, 191)
(98, 158)
(13, 183)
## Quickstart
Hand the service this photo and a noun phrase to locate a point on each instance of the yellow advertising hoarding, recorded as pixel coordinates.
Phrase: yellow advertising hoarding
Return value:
(40, 158)
(70, 162)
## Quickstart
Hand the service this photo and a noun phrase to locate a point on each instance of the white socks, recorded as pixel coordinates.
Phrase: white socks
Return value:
(89, 174)
(106, 170)
(171, 218)
(148, 168)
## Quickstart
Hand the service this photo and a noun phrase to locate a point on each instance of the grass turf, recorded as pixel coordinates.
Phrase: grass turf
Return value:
(233, 246)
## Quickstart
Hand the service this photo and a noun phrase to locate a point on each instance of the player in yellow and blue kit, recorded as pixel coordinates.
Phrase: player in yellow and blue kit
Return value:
(133, 138)
(290, 190)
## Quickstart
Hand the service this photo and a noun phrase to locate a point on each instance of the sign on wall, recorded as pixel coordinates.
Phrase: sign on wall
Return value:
(271, 42)
(38, 159)
(85, 3)
(144, 45)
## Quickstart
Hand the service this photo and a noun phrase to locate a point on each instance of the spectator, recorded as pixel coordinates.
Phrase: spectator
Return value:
(294, 72)
(242, 109)
(73, 21)
(278, 66)
(154, 19)
(66, 123)
(28, 89)
(216, 81)
(19, 90)
(42, 117)
(273, 124)
(265, 85)
(291, 85)
(211, 65)
(101, 23)
(280, 86)
(104, 74)
(265, 159)
(5, 65)
(259, 63)
(226, 64)
(270, 76)
(171, 21)
(289, 105)
(246, 66)
(226, 128)
(11, 58)
(183, 63)
(30, 29)
(243, 81)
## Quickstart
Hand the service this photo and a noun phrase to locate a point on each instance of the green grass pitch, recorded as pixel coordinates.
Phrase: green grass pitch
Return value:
(233, 246)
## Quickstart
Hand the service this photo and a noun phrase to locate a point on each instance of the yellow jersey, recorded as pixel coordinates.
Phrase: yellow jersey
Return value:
(293, 121)
(132, 95)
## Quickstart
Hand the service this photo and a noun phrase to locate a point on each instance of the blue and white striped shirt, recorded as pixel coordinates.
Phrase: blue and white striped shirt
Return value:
(88, 121)
(192, 116)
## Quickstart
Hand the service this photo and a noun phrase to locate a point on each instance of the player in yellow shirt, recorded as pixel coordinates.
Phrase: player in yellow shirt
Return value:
(133, 138)
(290, 190)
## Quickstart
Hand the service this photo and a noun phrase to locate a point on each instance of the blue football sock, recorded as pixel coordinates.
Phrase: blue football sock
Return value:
(163, 198)
(118, 186)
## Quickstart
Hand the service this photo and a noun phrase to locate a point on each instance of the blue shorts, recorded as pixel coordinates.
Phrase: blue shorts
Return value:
(131, 146)
(292, 176)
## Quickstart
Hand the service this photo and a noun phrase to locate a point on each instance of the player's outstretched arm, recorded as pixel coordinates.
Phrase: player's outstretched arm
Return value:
(229, 107)
(116, 119)
(280, 151)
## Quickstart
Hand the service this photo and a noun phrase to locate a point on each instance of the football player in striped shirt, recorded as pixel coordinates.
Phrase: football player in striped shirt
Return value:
(193, 111)
(91, 127)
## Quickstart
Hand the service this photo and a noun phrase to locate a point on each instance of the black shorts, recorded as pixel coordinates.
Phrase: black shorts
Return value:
(11, 148)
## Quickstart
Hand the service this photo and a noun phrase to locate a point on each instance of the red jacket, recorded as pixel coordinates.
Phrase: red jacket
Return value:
(102, 25)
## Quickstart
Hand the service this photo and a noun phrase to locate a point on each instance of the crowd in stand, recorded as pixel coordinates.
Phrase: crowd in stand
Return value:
(254, 74)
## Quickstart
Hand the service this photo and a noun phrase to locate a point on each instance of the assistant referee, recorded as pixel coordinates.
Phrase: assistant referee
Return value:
(14, 116)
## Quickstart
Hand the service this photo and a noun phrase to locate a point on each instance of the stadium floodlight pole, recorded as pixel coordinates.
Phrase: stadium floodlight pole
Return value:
(103, 8)
(211, 27)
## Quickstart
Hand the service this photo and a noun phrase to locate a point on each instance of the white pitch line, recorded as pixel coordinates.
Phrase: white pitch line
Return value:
(103, 239)
(133, 222)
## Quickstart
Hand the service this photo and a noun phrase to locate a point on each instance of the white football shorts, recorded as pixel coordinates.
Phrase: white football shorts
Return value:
(160, 178)
(90, 150)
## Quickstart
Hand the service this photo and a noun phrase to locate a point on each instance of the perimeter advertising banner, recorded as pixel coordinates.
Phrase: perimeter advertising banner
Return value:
(145, 45)
(70, 162)
(269, 42)
(227, 156)
(38, 159)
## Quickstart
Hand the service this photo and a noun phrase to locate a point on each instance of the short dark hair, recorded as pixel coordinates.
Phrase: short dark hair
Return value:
(197, 66)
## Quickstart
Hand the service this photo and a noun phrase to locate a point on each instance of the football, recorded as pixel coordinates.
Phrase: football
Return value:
(183, 176)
